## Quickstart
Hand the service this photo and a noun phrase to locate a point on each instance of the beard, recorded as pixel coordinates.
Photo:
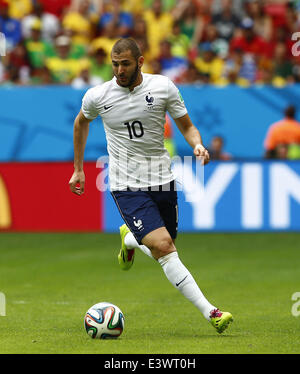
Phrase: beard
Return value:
(131, 79)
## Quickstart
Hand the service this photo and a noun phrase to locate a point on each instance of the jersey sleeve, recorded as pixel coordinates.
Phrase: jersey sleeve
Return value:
(175, 102)
(88, 107)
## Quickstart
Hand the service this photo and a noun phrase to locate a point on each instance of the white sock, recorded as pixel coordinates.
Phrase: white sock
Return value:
(182, 279)
(131, 243)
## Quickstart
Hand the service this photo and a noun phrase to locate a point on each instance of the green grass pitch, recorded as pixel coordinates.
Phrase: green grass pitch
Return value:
(50, 280)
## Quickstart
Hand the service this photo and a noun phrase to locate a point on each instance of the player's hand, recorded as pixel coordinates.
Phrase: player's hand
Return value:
(77, 182)
(201, 154)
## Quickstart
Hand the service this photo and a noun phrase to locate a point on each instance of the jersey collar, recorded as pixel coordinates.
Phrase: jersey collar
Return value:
(125, 89)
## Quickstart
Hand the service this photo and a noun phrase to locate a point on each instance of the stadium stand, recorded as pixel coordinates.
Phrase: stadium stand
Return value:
(217, 42)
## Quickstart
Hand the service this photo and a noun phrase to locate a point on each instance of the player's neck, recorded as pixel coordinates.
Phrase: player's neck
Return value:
(137, 82)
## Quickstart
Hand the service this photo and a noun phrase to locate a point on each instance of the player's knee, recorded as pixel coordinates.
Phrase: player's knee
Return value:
(162, 247)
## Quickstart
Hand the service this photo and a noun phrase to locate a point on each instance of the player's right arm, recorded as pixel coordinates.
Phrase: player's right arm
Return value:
(80, 134)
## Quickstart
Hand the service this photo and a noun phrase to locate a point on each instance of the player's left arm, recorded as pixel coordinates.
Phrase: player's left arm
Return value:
(193, 137)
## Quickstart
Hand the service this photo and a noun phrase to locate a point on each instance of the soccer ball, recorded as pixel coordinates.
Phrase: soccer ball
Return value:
(104, 321)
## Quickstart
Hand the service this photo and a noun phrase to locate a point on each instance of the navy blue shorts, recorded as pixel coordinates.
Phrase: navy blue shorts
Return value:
(146, 210)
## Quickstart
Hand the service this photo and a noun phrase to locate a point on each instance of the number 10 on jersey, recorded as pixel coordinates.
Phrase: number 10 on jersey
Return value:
(135, 129)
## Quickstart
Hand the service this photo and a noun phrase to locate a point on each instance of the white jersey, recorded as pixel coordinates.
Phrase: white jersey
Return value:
(134, 127)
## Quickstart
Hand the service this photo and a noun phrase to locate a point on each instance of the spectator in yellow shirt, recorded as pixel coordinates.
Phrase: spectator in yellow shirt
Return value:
(180, 43)
(208, 64)
(159, 26)
(135, 7)
(38, 50)
(19, 8)
(64, 67)
(105, 41)
(78, 24)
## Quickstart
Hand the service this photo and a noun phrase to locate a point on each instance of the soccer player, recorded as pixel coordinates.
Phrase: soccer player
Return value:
(133, 106)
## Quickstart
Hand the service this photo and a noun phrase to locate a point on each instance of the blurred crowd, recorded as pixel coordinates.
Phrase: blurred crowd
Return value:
(217, 42)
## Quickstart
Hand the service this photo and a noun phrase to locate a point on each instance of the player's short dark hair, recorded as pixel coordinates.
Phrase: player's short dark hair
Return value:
(127, 44)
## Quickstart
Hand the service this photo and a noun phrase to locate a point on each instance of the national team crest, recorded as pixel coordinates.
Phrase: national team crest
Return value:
(149, 99)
